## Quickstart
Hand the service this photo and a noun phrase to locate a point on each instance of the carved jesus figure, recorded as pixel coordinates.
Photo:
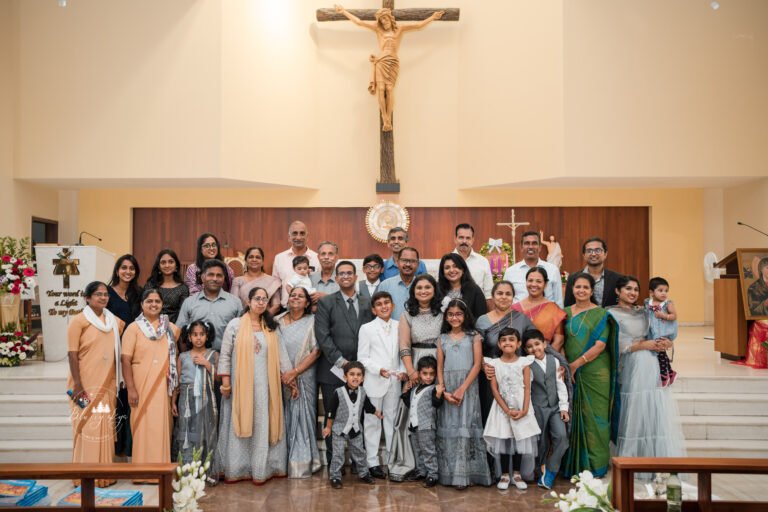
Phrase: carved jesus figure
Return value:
(386, 65)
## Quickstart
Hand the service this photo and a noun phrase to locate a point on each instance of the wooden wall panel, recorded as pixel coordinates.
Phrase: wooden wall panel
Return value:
(625, 229)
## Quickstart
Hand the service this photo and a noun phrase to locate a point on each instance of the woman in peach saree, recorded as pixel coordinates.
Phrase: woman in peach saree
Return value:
(149, 368)
(93, 344)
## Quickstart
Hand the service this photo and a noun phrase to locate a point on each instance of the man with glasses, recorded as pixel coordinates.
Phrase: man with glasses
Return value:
(397, 238)
(595, 252)
(373, 266)
(399, 286)
(531, 244)
(282, 268)
(337, 324)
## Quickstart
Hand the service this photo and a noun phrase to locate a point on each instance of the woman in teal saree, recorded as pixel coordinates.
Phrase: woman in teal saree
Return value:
(591, 347)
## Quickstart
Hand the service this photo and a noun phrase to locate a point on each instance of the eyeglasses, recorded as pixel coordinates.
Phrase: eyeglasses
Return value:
(455, 314)
(260, 300)
(599, 250)
(344, 274)
(100, 294)
(298, 233)
(210, 246)
(372, 267)
(408, 262)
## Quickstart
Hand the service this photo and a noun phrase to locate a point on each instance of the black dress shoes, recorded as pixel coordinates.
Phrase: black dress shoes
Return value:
(368, 479)
(378, 472)
(335, 483)
(430, 482)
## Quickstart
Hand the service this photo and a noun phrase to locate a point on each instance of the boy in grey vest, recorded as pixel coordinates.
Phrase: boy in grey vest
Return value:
(345, 421)
(549, 398)
(422, 402)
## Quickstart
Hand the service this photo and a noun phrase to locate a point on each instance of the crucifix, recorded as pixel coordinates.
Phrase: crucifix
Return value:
(513, 226)
(386, 66)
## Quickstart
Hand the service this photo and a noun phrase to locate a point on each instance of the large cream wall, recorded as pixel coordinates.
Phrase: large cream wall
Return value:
(21, 201)
(677, 235)
(115, 90)
(749, 204)
(666, 89)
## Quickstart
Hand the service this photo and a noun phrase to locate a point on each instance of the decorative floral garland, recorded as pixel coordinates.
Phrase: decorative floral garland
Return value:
(499, 254)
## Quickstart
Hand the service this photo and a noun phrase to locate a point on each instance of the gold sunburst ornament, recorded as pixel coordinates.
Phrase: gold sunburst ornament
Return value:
(384, 216)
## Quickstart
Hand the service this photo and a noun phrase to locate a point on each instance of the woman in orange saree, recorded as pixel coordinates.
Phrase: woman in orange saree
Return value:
(93, 339)
(149, 368)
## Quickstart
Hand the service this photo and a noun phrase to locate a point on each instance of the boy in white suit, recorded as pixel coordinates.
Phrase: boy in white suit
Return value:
(379, 351)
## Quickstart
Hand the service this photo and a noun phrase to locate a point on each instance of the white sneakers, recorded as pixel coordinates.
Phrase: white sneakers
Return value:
(520, 483)
(504, 482)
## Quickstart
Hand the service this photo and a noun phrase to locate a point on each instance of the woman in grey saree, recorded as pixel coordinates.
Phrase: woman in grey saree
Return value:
(300, 351)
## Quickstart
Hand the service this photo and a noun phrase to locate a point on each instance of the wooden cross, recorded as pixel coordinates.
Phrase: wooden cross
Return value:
(388, 183)
(513, 226)
(66, 266)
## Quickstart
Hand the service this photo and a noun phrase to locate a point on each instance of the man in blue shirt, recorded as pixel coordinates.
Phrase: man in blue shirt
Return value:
(399, 286)
(397, 238)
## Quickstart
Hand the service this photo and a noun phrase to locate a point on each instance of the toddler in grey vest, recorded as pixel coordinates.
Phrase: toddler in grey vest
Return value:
(549, 397)
(344, 423)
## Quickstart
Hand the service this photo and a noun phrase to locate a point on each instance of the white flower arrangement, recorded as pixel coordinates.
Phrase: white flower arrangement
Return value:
(590, 495)
(189, 485)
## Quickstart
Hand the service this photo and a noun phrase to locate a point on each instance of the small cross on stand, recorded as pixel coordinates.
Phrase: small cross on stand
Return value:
(386, 67)
(513, 226)
(65, 265)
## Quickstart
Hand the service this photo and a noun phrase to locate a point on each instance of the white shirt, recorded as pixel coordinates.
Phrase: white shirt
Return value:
(562, 391)
(282, 268)
(480, 269)
(554, 289)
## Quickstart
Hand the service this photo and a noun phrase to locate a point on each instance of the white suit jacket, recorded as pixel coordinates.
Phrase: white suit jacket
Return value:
(377, 349)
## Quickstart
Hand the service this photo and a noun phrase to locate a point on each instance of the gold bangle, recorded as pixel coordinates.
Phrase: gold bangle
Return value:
(225, 388)
(585, 359)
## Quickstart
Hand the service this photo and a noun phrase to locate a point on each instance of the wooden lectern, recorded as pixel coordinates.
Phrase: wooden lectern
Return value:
(730, 321)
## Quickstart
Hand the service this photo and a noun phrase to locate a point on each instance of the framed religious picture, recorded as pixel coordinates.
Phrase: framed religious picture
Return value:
(753, 273)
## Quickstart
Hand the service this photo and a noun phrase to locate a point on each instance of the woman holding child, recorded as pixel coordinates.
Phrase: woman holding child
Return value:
(419, 330)
(297, 336)
(591, 347)
(252, 429)
(649, 424)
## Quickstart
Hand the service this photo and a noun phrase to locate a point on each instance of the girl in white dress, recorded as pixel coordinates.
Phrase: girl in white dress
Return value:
(511, 430)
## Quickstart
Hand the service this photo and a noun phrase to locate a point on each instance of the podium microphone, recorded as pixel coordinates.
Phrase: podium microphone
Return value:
(80, 238)
(751, 227)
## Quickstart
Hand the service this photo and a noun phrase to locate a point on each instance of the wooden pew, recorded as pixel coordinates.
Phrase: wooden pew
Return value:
(88, 473)
(624, 469)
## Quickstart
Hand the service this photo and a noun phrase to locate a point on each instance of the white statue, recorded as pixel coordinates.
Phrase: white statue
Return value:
(554, 253)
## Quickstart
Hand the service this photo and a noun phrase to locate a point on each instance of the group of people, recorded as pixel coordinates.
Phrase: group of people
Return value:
(454, 380)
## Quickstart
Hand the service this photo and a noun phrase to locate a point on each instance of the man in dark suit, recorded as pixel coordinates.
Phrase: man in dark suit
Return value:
(595, 252)
(337, 323)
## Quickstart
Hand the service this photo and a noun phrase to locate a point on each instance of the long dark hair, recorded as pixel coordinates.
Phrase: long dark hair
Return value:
(466, 277)
(199, 260)
(156, 276)
(269, 320)
(133, 294)
(412, 304)
(467, 324)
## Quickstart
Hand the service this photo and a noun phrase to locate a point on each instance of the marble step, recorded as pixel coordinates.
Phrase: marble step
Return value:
(34, 405)
(721, 384)
(35, 451)
(35, 428)
(723, 448)
(34, 378)
(722, 404)
(725, 427)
